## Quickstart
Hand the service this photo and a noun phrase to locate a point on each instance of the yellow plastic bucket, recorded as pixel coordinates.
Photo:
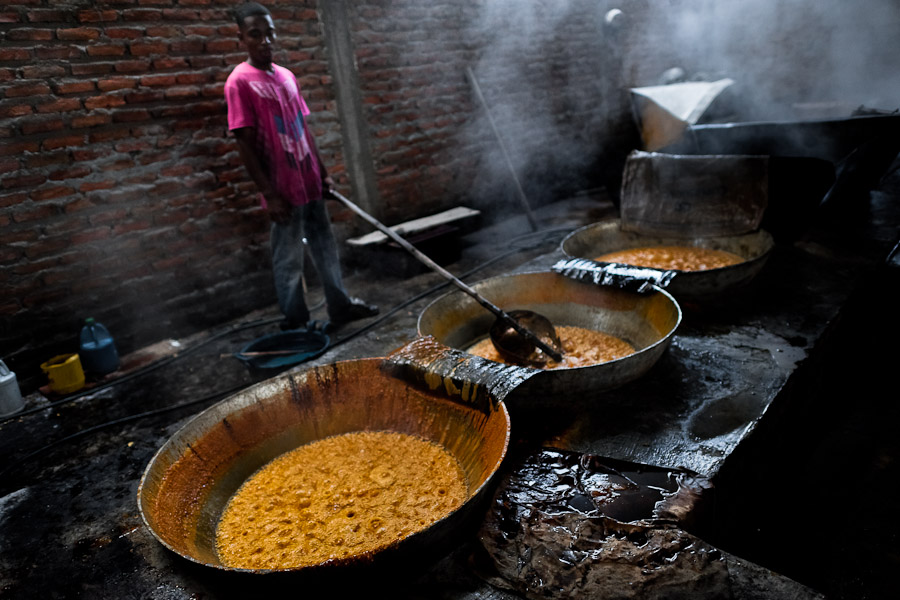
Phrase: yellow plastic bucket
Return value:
(65, 373)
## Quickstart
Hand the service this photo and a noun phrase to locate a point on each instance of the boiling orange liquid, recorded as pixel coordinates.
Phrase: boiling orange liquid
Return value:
(680, 258)
(581, 348)
(336, 498)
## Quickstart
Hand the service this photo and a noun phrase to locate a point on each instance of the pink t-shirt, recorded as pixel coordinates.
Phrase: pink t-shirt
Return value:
(271, 103)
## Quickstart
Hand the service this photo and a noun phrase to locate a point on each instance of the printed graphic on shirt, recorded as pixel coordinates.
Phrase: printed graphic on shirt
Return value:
(293, 142)
(290, 134)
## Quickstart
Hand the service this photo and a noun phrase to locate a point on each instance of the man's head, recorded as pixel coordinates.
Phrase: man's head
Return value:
(256, 32)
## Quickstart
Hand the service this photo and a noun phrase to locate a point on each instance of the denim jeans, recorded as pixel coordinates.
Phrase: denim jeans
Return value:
(312, 221)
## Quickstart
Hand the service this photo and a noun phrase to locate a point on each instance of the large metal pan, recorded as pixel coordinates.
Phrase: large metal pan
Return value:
(191, 478)
(596, 239)
(647, 321)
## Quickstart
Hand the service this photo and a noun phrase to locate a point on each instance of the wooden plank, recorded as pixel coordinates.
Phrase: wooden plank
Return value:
(417, 225)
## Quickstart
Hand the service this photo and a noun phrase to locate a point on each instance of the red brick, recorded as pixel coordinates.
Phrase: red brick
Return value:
(14, 54)
(116, 83)
(204, 62)
(169, 62)
(182, 14)
(8, 165)
(60, 105)
(142, 14)
(78, 205)
(189, 46)
(29, 34)
(30, 180)
(201, 30)
(108, 135)
(106, 50)
(130, 116)
(127, 33)
(132, 66)
(44, 159)
(42, 126)
(133, 146)
(51, 192)
(138, 225)
(225, 45)
(197, 77)
(93, 186)
(216, 90)
(9, 17)
(62, 142)
(107, 101)
(27, 89)
(14, 110)
(148, 48)
(91, 235)
(143, 96)
(74, 172)
(74, 86)
(47, 246)
(19, 148)
(42, 71)
(158, 80)
(164, 31)
(97, 16)
(96, 68)
(146, 158)
(57, 52)
(47, 16)
(11, 200)
(182, 92)
(84, 154)
(78, 34)
(33, 214)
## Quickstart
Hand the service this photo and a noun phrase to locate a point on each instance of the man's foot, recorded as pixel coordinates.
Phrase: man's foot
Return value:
(357, 309)
(289, 325)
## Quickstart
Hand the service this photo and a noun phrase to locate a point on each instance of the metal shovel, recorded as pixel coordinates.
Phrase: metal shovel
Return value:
(521, 336)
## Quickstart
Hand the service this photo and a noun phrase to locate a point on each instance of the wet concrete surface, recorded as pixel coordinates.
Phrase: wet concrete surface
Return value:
(727, 400)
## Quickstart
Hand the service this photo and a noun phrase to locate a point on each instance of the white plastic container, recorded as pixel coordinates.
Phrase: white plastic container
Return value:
(10, 397)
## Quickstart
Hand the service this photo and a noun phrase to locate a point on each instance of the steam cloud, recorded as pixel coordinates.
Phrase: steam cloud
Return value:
(831, 54)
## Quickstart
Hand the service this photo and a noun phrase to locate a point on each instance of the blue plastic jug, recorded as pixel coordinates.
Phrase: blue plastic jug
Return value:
(98, 351)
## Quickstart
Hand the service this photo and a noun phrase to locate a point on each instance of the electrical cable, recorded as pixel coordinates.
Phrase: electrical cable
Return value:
(545, 236)
(210, 397)
(143, 370)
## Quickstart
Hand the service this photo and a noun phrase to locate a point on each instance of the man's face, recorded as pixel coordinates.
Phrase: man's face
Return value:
(258, 36)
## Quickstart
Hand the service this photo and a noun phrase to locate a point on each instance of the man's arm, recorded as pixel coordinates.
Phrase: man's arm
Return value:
(327, 181)
(278, 207)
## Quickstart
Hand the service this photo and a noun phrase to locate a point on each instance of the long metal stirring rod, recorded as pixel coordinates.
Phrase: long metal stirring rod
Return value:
(521, 193)
(549, 350)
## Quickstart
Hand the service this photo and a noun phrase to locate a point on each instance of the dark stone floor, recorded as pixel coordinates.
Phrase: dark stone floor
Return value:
(808, 491)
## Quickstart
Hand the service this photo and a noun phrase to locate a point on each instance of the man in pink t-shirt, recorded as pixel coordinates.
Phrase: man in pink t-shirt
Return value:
(267, 115)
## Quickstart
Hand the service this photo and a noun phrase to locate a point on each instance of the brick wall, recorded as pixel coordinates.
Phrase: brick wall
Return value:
(121, 196)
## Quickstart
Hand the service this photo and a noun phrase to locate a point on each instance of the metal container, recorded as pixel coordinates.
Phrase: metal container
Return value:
(10, 396)
(646, 321)
(189, 481)
(600, 238)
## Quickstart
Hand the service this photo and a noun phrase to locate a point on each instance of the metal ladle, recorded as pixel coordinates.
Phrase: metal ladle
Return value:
(520, 336)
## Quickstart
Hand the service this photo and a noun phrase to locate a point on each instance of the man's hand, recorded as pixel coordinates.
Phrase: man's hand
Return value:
(327, 187)
(279, 209)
